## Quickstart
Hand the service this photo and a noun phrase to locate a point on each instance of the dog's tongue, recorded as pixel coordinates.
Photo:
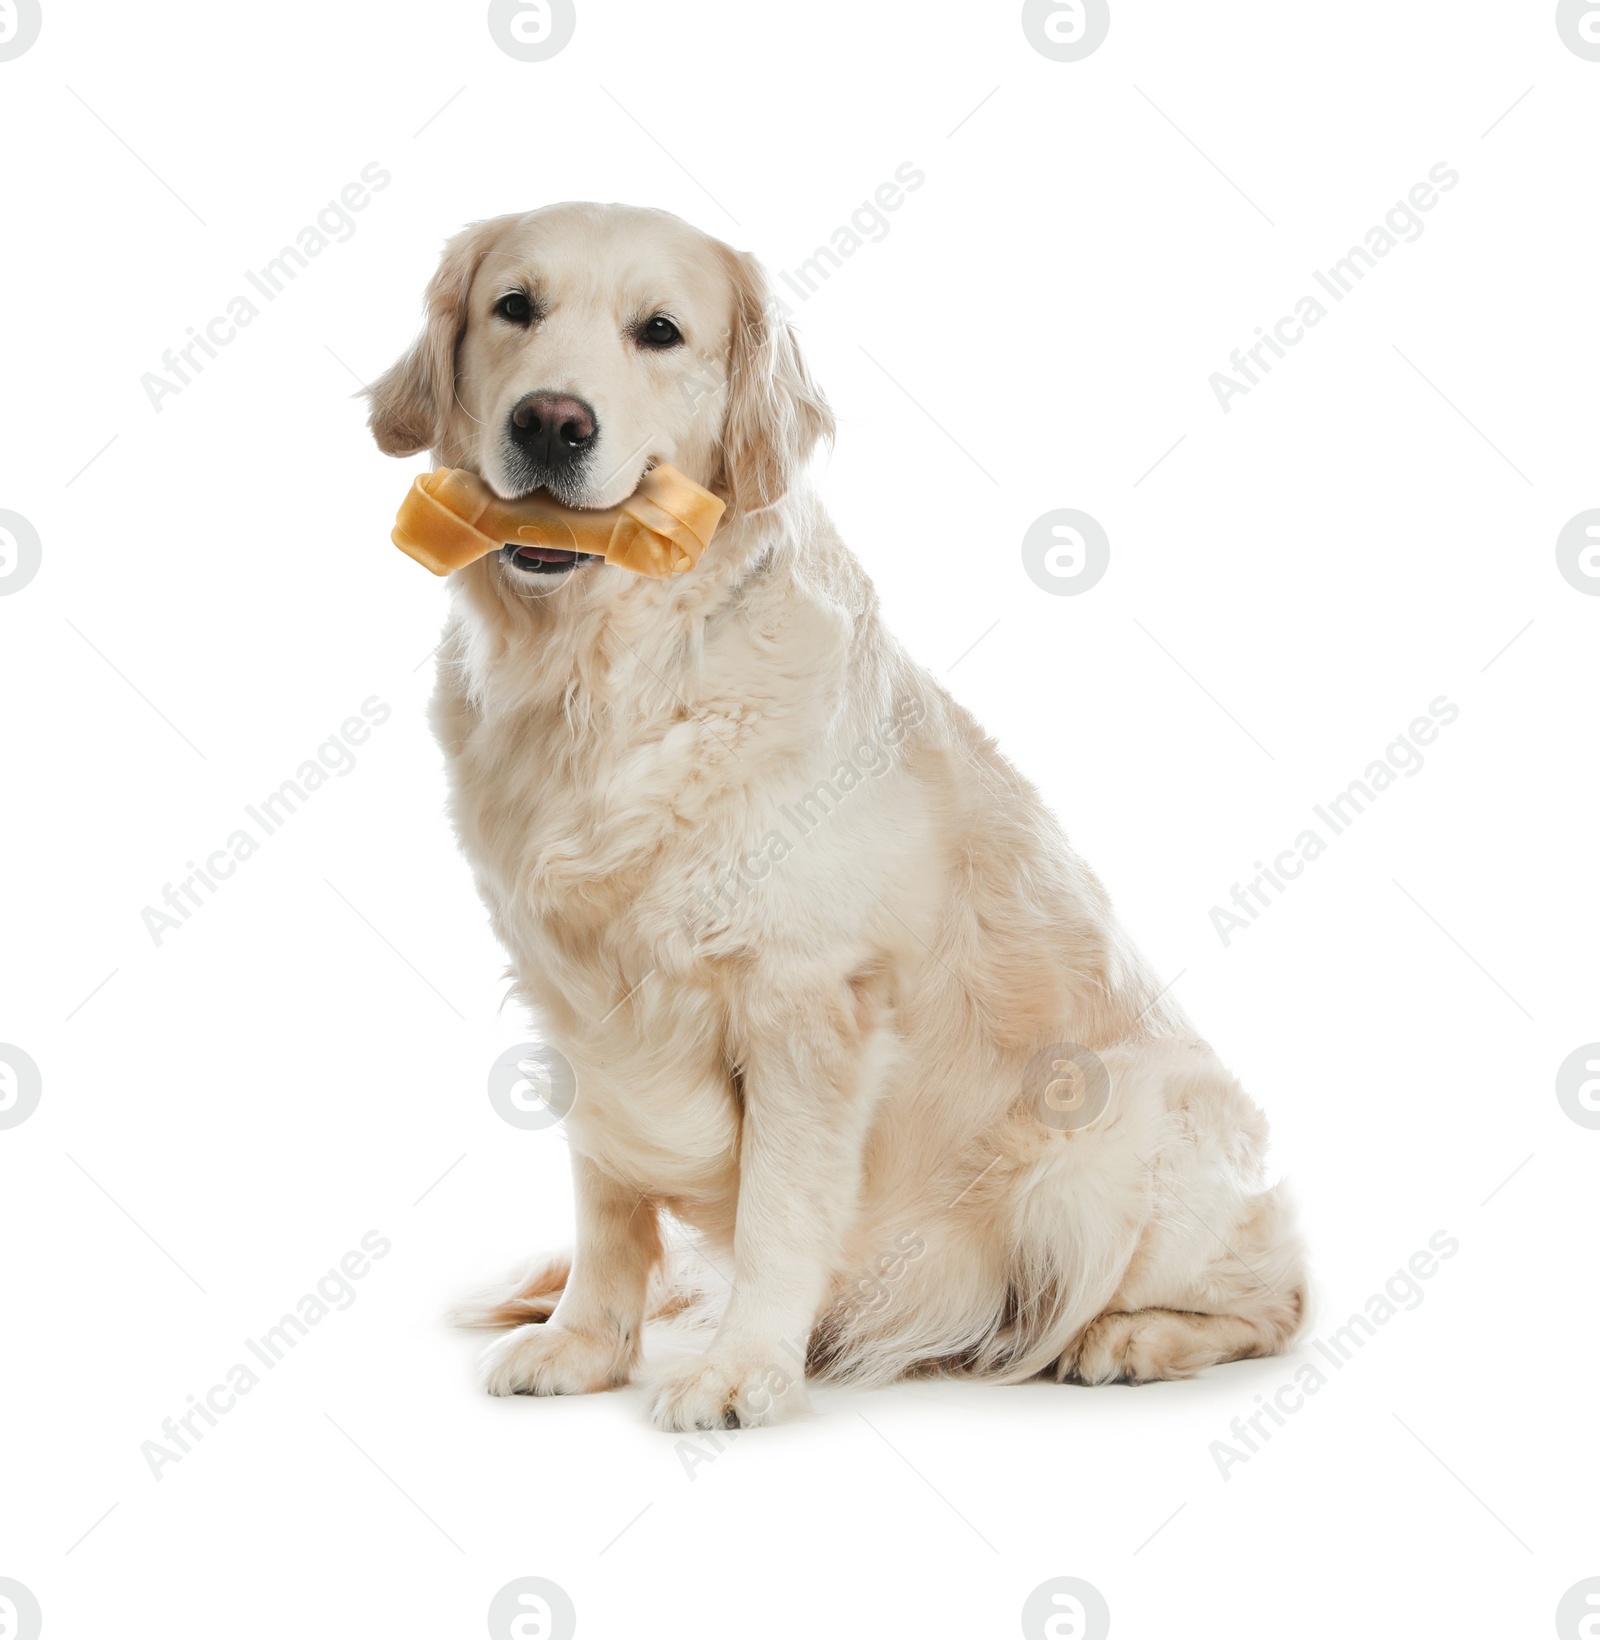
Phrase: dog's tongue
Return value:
(546, 555)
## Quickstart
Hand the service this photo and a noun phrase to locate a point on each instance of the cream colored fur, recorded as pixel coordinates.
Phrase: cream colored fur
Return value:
(821, 1060)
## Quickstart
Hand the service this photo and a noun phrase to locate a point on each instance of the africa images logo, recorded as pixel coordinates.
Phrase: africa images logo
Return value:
(1402, 225)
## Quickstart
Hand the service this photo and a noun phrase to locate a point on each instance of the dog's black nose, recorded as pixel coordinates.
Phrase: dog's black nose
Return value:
(554, 428)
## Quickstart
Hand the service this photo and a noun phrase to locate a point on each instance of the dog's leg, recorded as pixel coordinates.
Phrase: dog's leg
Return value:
(813, 1060)
(1141, 1346)
(591, 1341)
(1219, 1274)
(1193, 1301)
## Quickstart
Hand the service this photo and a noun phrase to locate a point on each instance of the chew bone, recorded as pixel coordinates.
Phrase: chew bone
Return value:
(451, 518)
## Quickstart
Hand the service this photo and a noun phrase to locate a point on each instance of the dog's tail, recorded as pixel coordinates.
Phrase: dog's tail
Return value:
(531, 1297)
(685, 1289)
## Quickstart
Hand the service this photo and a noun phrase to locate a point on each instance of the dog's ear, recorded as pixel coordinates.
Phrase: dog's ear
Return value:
(410, 402)
(776, 414)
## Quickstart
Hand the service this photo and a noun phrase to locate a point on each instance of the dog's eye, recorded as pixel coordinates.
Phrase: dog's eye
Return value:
(515, 308)
(659, 332)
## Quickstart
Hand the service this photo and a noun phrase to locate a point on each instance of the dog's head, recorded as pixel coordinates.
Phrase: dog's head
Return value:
(571, 348)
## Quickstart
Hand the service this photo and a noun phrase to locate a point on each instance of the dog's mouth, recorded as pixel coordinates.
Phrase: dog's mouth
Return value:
(544, 560)
(548, 560)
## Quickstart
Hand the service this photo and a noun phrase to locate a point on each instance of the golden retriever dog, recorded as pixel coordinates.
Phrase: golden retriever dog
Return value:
(841, 1001)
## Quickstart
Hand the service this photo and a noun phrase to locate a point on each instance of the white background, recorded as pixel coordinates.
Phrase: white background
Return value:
(230, 1111)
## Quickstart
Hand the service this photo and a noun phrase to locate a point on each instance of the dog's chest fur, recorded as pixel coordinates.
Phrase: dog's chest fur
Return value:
(609, 761)
(604, 786)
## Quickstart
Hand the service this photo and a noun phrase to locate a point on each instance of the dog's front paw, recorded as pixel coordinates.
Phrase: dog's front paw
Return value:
(540, 1359)
(712, 1393)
